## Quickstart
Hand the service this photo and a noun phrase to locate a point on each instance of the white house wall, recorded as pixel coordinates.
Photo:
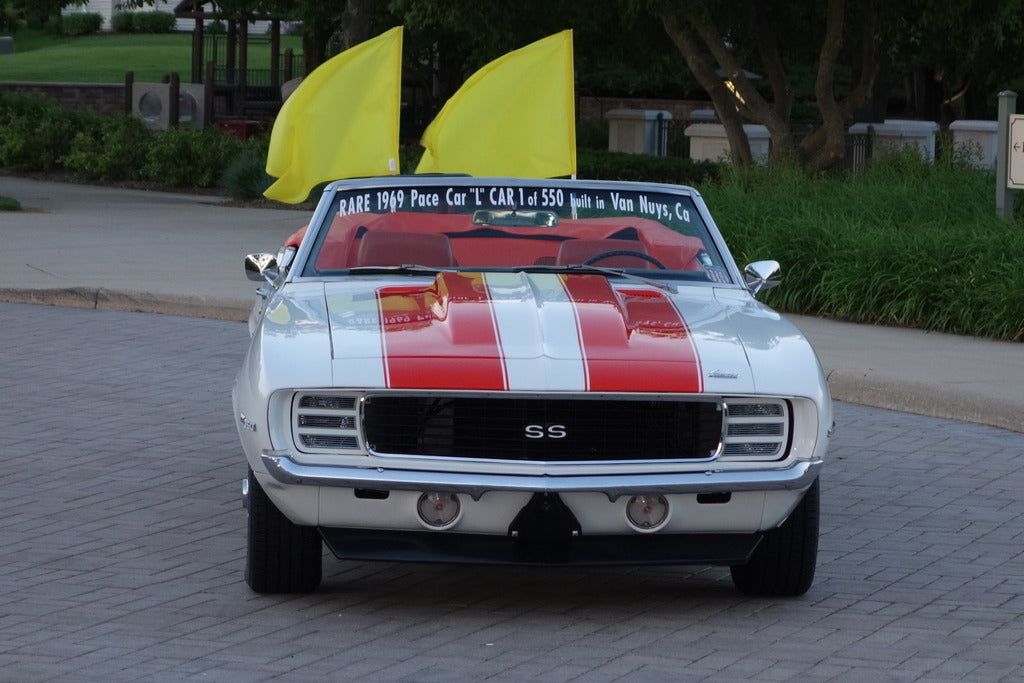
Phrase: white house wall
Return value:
(108, 8)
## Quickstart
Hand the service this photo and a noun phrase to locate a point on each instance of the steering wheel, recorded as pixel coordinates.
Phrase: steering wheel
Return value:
(624, 252)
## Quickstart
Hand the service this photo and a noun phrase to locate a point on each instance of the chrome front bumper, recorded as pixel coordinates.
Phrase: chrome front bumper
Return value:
(798, 476)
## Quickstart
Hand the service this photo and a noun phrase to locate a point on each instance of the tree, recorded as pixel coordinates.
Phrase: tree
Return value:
(320, 21)
(15, 13)
(619, 47)
(756, 27)
(849, 59)
(950, 59)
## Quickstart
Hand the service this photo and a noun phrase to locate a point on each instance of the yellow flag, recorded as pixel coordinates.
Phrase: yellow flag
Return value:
(514, 117)
(341, 122)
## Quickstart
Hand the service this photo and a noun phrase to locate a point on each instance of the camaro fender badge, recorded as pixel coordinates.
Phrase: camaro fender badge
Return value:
(722, 374)
(246, 422)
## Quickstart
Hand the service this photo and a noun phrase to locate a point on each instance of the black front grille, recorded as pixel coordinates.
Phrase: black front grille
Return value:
(562, 430)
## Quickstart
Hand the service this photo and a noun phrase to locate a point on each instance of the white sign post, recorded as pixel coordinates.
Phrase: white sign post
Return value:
(1009, 154)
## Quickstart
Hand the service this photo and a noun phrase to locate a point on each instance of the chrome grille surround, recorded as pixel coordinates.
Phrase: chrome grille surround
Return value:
(550, 428)
(345, 423)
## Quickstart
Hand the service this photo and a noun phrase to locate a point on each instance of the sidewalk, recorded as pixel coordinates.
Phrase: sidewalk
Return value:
(98, 247)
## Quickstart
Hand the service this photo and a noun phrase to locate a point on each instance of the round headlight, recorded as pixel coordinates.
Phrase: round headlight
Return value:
(647, 513)
(438, 510)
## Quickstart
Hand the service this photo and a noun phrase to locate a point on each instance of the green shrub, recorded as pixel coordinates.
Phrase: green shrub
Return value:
(602, 165)
(216, 27)
(52, 25)
(35, 132)
(13, 104)
(245, 176)
(903, 243)
(80, 24)
(28, 145)
(183, 156)
(153, 22)
(592, 134)
(123, 22)
(9, 204)
(409, 157)
(116, 150)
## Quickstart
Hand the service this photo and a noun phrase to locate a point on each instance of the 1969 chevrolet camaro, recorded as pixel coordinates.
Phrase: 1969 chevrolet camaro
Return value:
(525, 371)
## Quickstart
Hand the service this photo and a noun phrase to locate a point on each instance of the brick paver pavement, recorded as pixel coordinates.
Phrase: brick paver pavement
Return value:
(122, 541)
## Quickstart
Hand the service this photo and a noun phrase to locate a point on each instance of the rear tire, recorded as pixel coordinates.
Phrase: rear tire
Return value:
(281, 557)
(783, 564)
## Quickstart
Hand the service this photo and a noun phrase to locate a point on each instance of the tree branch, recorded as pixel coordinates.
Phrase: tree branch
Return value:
(722, 98)
(869, 63)
(766, 42)
(825, 146)
(759, 109)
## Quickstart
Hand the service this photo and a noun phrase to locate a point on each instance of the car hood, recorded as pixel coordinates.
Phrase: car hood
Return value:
(538, 332)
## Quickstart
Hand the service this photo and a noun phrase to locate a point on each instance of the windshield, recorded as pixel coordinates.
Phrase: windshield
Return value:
(486, 226)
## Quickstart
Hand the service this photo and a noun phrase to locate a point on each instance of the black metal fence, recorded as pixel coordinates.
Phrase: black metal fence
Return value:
(215, 49)
(253, 92)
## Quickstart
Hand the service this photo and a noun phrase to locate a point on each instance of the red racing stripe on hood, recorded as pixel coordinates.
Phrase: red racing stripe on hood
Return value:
(633, 339)
(442, 336)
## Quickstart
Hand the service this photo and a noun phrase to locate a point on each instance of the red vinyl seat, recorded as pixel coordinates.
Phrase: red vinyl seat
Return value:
(396, 248)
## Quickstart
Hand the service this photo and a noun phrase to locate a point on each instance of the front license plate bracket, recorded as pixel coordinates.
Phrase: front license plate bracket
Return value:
(545, 519)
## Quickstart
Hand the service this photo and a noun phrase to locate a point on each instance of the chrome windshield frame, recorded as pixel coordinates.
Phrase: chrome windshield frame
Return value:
(322, 215)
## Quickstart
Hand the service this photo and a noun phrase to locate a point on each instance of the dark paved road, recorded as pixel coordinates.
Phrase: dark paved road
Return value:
(123, 549)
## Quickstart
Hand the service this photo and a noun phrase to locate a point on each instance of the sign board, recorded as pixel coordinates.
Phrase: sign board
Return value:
(1015, 156)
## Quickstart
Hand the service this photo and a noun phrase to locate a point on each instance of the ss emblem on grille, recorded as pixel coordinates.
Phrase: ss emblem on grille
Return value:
(544, 431)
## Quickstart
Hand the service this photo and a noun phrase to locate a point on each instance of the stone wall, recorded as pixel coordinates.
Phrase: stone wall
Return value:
(100, 98)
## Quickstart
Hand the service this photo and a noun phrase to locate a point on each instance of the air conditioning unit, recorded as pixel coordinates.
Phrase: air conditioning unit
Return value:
(151, 103)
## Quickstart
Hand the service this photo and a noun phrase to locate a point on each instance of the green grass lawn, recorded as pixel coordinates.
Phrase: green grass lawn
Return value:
(104, 58)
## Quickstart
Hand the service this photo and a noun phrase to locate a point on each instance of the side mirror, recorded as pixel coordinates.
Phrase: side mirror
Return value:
(762, 275)
(261, 267)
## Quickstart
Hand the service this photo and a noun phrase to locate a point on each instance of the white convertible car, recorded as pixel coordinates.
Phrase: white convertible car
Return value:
(532, 372)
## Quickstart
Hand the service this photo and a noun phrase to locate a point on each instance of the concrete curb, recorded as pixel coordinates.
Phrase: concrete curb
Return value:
(932, 400)
(103, 299)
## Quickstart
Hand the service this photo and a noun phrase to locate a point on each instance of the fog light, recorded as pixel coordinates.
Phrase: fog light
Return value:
(647, 513)
(439, 510)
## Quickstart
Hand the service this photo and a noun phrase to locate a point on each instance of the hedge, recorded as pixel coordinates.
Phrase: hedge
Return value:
(80, 24)
(143, 22)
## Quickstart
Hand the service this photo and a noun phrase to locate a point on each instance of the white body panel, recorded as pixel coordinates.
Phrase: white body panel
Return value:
(316, 336)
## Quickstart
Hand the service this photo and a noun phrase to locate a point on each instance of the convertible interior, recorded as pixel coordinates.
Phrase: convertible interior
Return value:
(463, 240)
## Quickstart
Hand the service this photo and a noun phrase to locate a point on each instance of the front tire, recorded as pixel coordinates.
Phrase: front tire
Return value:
(783, 564)
(281, 557)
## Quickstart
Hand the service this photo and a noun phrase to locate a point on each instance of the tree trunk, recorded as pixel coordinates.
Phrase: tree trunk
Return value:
(356, 23)
(314, 46)
(752, 102)
(767, 44)
(830, 147)
(721, 97)
(690, 25)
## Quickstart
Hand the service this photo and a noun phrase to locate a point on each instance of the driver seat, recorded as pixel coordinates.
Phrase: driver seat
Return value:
(579, 250)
